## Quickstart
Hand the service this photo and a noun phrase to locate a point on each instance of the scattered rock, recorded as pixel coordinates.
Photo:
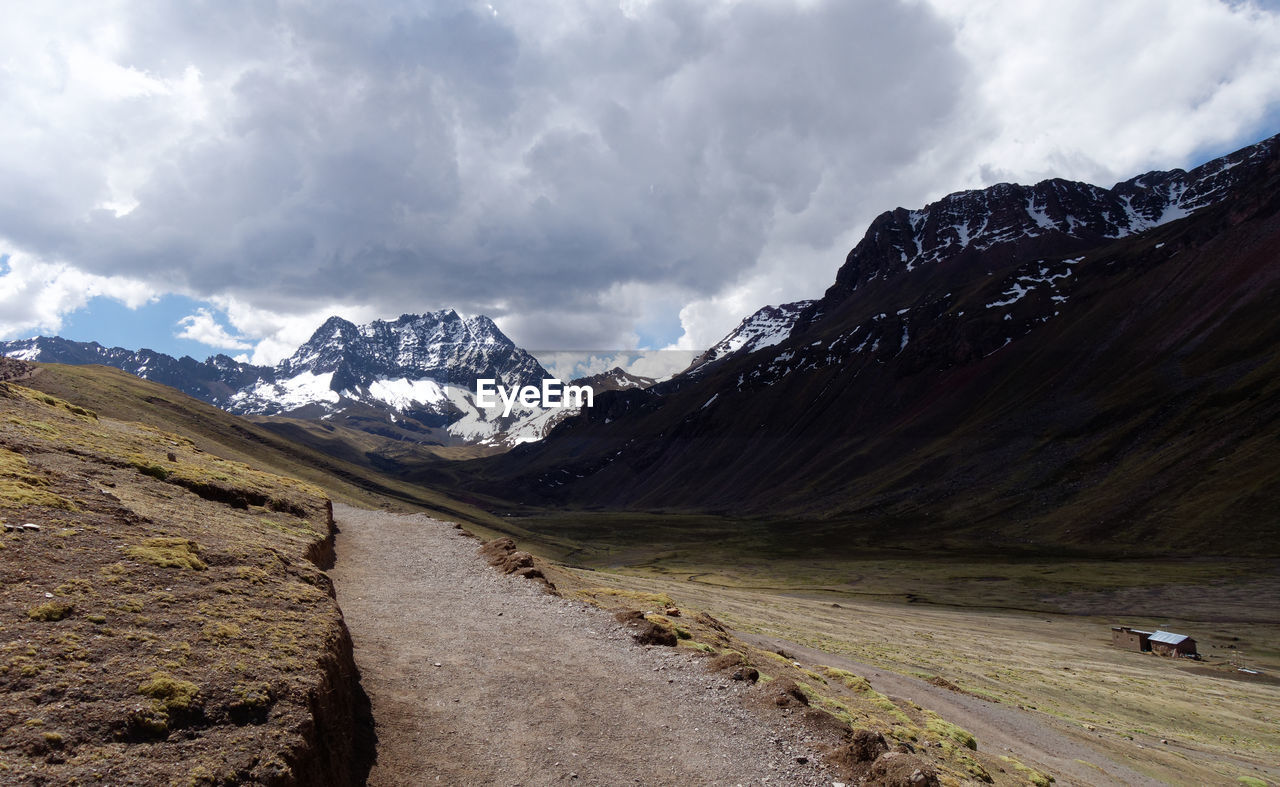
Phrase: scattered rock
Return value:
(30, 526)
(750, 674)
(835, 605)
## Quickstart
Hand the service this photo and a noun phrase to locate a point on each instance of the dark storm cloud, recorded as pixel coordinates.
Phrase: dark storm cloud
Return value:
(424, 155)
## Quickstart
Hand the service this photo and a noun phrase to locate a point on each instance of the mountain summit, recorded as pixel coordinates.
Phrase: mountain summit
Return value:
(412, 375)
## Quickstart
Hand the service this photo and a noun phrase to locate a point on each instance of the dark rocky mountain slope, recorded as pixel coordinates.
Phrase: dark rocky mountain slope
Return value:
(1047, 366)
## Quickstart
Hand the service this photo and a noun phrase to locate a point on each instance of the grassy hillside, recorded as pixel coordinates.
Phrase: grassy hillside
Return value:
(343, 462)
(165, 618)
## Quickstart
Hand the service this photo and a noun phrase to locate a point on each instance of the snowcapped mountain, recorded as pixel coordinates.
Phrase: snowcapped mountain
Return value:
(412, 378)
(415, 375)
(766, 327)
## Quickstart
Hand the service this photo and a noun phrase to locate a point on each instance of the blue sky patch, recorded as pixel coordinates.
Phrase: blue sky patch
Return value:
(153, 326)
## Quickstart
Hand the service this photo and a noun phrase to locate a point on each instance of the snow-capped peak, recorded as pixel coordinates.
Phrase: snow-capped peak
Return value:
(768, 326)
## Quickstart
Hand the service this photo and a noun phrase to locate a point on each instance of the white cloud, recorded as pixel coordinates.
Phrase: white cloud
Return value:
(1100, 90)
(274, 333)
(36, 294)
(203, 327)
(658, 364)
(616, 164)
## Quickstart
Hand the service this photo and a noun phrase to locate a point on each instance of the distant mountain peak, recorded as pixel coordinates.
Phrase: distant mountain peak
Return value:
(766, 327)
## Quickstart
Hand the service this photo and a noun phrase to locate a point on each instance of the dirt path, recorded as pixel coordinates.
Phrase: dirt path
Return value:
(480, 678)
(998, 728)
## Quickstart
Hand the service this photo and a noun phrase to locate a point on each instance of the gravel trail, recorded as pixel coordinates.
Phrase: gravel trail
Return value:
(480, 678)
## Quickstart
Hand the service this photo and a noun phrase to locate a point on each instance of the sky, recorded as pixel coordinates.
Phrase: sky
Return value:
(642, 174)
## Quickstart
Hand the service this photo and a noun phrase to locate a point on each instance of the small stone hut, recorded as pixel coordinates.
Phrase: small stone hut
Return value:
(1130, 639)
(1166, 643)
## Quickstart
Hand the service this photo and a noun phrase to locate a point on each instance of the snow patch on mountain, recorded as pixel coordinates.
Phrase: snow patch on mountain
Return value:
(31, 353)
(291, 393)
(404, 394)
(767, 327)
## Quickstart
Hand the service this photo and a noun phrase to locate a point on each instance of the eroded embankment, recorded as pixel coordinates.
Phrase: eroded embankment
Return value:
(165, 618)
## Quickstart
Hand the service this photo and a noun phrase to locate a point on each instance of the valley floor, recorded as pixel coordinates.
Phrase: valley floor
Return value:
(1056, 685)
(482, 678)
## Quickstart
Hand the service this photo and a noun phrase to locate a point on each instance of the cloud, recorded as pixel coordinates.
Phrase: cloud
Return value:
(510, 163)
(275, 333)
(203, 327)
(576, 170)
(36, 293)
(1100, 91)
(659, 364)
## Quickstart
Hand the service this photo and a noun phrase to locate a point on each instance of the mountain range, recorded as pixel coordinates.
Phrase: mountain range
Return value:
(412, 378)
(1051, 366)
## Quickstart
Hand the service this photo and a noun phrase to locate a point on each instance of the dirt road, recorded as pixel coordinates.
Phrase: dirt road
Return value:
(480, 678)
(999, 727)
